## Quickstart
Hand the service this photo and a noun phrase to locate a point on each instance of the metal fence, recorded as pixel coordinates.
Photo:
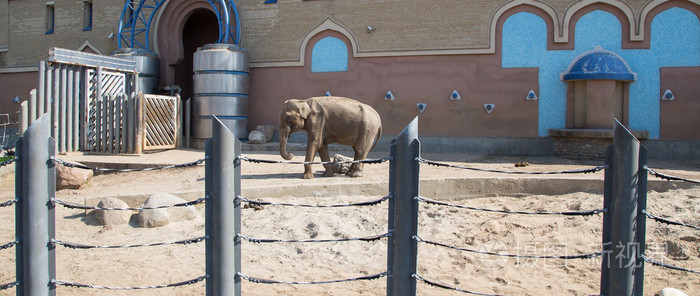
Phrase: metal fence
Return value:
(624, 217)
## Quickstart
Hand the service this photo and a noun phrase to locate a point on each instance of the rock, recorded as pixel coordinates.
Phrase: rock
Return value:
(112, 217)
(267, 129)
(71, 178)
(676, 250)
(160, 217)
(257, 137)
(670, 292)
(522, 164)
(341, 168)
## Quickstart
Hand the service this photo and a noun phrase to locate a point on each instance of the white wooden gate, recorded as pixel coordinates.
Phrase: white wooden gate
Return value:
(161, 121)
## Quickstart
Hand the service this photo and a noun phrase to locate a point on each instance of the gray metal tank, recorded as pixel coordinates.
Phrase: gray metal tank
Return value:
(147, 66)
(221, 84)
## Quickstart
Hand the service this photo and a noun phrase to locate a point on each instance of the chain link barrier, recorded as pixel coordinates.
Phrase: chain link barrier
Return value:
(267, 281)
(366, 161)
(668, 177)
(178, 284)
(8, 203)
(570, 213)
(82, 246)
(581, 171)
(84, 167)
(564, 257)
(86, 207)
(8, 285)
(359, 204)
(448, 287)
(666, 265)
(266, 240)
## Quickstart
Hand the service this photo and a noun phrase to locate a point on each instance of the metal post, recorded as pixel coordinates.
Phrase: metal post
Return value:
(23, 117)
(55, 98)
(641, 221)
(188, 111)
(131, 124)
(403, 212)
(76, 109)
(607, 221)
(62, 110)
(223, 211)
(41, 96)
(36, 261)
(138, 124)
(69, 110)
(32, 106)
(623, 212)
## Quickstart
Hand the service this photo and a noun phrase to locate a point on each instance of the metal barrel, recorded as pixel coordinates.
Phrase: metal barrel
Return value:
(147, 66)
(221, 84)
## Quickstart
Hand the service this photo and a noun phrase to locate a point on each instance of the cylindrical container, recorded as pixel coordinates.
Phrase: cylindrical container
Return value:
(147, 66)
(220, 88)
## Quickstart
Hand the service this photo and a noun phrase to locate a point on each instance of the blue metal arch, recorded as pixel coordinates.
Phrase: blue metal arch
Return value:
(137, 17)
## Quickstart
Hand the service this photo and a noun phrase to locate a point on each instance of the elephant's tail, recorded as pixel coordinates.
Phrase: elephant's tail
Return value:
(376, 140)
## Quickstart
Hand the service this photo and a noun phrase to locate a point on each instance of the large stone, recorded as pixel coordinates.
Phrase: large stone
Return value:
(160, 217)
(112, 217)
(71, 178)
(670, 292)
(257, 137)
(341, 168)
(267, 129)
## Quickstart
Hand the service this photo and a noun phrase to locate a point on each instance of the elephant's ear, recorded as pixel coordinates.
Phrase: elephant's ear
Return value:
(304, 110)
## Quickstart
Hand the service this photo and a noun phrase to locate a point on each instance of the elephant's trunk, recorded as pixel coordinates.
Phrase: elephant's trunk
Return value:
(284, 135)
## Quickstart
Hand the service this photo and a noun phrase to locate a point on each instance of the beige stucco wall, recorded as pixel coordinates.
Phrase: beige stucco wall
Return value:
(275, 32)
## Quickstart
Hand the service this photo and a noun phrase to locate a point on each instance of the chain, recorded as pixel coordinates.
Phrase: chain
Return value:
(265, 281)
(581, 171)
(565, 257)
(81, 246)
(668, 177)
(8, 285)
(577, 213)
(261, 203)
(9, 161)
(367, 161)
(448, 287)
(264, 240)
(80, 166)
(669, 266)
(669, 222)
(84, 207)
(9, 245)
(8, 203)
(178, 284)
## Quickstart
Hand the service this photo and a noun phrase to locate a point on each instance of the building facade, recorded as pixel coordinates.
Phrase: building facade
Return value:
(484, 71)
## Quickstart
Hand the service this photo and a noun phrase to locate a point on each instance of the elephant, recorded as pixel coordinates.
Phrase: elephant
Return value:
(330, 120)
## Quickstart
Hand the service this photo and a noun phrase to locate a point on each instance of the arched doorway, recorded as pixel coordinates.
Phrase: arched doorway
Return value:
(200, 28)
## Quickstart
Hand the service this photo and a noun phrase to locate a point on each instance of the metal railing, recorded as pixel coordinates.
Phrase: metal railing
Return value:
(624, 218)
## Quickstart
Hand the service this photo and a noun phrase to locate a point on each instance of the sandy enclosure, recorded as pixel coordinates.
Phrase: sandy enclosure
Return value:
(515, 234)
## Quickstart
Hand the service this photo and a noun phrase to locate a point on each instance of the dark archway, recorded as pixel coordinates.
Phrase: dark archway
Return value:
(201, 28)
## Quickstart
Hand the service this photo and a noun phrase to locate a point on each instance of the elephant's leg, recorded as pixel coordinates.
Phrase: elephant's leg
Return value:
(311, 148)
(325, 157)
(356, 169)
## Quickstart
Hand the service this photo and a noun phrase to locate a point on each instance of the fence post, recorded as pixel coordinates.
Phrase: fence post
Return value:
(623, 213)
(607, 204)
(641, 221)
(36, 177)
(403, 212)
(188, 111)
(23, 117)
(223, 211)
(32, 106)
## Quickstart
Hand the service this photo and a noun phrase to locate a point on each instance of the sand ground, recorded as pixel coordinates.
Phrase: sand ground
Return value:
(515, 234)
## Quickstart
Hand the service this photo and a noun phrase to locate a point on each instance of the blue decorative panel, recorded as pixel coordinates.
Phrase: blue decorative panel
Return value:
(329, 54)
(675, 42)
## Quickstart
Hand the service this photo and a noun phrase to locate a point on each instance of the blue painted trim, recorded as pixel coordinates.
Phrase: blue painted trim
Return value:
(221, 72)
(270, 1)
(599, 76)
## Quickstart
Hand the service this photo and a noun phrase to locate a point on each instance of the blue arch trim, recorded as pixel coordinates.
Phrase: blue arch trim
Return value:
(137, 17)
(329, 54)
(675, 42)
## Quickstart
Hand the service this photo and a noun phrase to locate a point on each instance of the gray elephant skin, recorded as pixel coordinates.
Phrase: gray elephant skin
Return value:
(330, 120)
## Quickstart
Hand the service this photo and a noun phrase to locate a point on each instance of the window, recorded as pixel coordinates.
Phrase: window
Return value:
(50, 13)
(87, 15)
(329, 54)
